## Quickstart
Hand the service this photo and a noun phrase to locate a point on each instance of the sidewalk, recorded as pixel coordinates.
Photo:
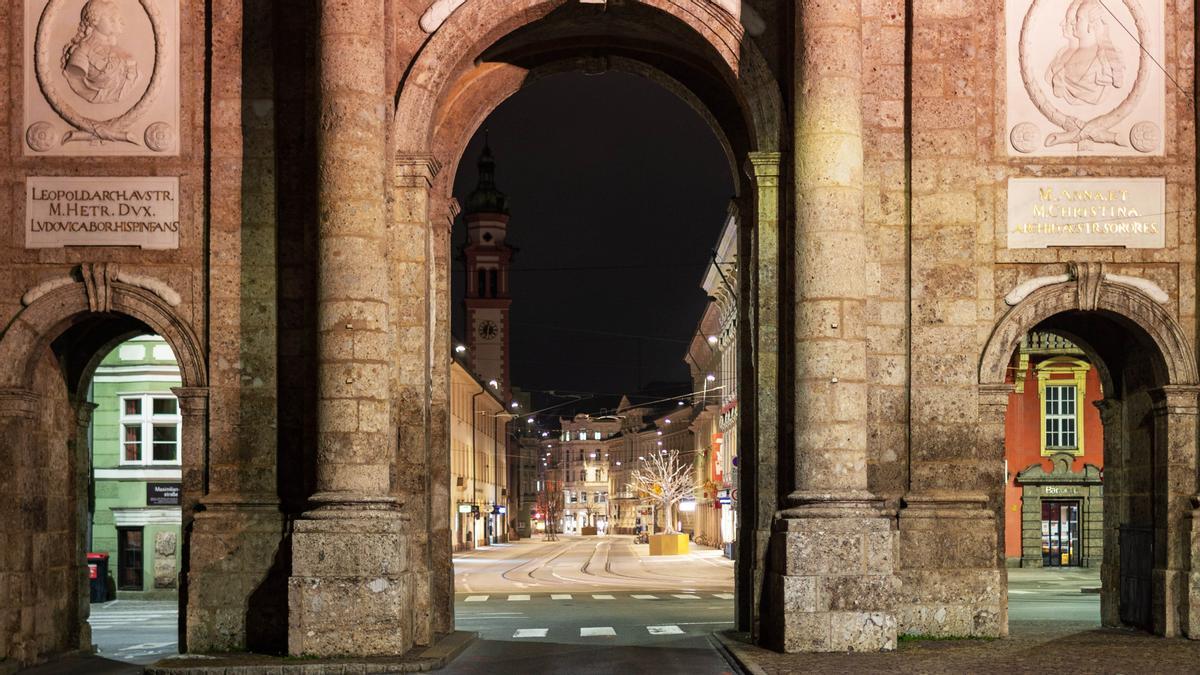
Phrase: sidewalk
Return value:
(1033, 647)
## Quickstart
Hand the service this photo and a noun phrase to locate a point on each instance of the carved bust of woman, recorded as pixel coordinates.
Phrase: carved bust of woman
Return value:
(96, 67)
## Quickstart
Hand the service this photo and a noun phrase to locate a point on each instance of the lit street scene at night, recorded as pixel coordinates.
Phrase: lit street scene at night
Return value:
(583, 337)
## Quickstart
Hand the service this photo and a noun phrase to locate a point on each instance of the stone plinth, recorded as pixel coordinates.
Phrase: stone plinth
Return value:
(351, 591)
(953, 582)
(831, 586)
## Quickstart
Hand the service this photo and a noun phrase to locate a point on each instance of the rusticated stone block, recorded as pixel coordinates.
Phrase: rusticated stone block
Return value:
(862, 631)
(335, 616)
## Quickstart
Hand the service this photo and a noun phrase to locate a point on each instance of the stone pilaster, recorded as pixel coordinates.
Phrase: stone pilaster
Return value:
(350, 592)
(834, 549)
(1115, 509)
(1176, 411)
(18, 413)
(84, 489)
(759, 416)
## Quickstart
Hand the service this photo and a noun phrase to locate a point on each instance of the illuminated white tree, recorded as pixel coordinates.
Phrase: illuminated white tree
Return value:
(663, 479)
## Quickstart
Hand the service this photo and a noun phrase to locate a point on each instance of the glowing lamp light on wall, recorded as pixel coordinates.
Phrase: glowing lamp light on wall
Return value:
(459, 349)
(712, 339)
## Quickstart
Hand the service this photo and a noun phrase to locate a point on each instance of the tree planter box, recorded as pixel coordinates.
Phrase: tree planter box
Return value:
(586, 531)
(668, 544)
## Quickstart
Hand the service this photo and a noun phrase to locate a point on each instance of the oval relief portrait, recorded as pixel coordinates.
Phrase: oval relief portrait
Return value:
(101, 73)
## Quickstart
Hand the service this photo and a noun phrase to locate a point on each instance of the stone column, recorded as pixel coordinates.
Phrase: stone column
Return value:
(832, 580)
(350, 593)
(760, 405)
(1175, 426)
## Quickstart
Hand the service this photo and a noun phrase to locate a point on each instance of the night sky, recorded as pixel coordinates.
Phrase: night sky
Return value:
(617, 191)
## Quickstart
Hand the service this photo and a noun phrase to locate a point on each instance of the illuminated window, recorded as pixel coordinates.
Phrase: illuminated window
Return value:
(150, 429)
(596, 435)
(583, 435)
(1062, 389)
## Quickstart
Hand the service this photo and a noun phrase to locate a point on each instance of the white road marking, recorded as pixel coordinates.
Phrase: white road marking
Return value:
(597, 631)
(685, 597)
(602, 596)
(476, 598)
(560, 596)
(723, 596)
(664, 630)
(645, 597)
(518, 598)
(531, 632)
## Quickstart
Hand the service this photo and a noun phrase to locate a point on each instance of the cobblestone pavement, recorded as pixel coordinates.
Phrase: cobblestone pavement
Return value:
(1033, 647)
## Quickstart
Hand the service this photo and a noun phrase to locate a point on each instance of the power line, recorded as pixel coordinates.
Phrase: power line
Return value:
(1148, 54)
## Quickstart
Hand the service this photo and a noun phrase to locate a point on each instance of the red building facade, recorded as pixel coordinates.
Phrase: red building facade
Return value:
(1054, 451)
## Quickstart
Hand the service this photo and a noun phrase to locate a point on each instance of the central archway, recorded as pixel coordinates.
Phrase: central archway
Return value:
(480, 55)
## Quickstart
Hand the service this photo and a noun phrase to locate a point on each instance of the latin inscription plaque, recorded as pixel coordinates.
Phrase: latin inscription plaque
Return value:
(111, 211)
(1128, 212)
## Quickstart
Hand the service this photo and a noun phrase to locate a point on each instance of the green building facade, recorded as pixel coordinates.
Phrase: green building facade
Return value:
(136, 456)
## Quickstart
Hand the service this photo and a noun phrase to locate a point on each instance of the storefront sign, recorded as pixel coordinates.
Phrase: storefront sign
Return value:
(111, 211)
(464, 508)
(1128, 212)
(163, 494)
(499, 510)
(1072, 490)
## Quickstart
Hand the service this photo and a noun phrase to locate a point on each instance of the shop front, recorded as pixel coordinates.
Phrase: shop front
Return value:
(1062, 514)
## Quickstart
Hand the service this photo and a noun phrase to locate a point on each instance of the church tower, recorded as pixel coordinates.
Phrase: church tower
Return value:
(487, 259)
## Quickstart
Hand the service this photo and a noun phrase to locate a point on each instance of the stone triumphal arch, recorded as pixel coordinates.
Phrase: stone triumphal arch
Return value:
(268, 186)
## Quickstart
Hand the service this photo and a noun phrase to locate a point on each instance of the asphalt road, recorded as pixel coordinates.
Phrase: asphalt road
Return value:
(135, 631)
(592, 605)
(1053, 594)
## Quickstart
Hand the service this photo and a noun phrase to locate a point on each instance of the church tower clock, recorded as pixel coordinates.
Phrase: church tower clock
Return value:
(487, 257)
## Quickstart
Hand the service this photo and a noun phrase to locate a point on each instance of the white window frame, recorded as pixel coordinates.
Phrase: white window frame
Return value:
(147, 419)
(1061, 411)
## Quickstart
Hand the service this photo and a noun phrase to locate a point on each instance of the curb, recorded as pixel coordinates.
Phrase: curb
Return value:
(734, 651)
(433, 657)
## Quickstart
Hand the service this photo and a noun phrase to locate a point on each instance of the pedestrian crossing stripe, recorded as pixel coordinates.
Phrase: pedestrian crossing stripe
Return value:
(477, 598)
(594, 631)
(602, 596)
(664, 630)
(518, 598)
(685, 597)
(531, 632)
(645, 597)
(723, 596)
(560, 596)
(597, 631)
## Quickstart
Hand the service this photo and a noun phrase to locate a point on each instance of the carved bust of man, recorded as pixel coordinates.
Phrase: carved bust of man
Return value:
(96, 67)
(1089, 63)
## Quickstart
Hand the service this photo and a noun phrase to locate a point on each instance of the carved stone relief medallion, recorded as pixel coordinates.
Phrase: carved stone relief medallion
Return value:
(1084, 77)
(101, 77)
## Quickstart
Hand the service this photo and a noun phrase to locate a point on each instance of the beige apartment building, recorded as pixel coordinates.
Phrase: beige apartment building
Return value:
(479, 497)
(712, 360)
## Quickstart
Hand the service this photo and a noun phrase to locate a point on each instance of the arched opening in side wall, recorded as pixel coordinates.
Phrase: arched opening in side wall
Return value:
(90, 432)
(1098, 435)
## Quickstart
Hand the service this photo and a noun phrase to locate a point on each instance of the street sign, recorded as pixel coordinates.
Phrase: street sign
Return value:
(726, 501)
(163, 494)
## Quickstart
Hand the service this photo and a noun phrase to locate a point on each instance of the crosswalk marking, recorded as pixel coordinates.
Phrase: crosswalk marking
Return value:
(602, 597)
(597, 631)
(664, 630)
(723, 596)
(560, 596)
(531, 632)
(645, 597)
(476, 598)
(685, 597)
(518, 598)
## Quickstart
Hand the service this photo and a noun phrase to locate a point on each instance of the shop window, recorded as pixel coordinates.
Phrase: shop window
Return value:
(129, 558)
(1062, 390)
(150, 429)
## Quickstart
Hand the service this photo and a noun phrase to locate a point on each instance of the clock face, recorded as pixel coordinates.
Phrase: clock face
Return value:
(488, 330)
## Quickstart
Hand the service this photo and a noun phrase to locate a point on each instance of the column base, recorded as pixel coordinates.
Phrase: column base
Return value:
(235, 575)
(351, 591)
(955, 582)
(831, 585)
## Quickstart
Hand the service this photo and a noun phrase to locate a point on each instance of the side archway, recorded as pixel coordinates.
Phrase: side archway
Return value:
(1149, 416)
(48, 352)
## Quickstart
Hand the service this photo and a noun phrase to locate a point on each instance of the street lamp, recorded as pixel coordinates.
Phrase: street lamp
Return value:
(459, 349)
